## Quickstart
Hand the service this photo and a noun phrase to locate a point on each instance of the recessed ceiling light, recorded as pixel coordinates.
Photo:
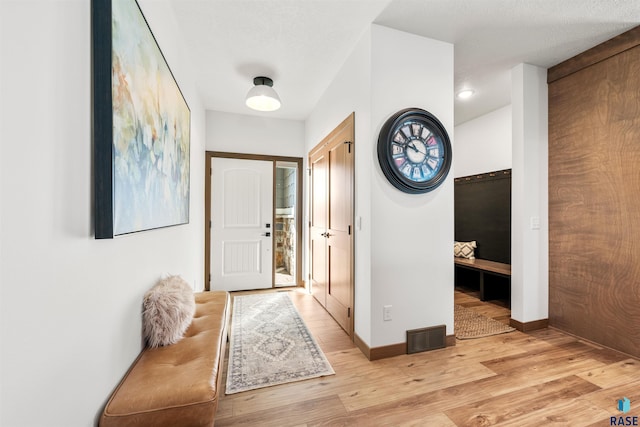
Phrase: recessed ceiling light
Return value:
(466, 93)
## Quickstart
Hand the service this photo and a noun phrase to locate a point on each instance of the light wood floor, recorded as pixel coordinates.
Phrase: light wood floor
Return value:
(544, 378)
(497, 309)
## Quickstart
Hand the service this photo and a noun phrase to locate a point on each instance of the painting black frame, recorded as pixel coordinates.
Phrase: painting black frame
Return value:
(103, 120)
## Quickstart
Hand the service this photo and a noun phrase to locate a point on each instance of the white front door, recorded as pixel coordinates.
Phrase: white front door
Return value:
(241, 224)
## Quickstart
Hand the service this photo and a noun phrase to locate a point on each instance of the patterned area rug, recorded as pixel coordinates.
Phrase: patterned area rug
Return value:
(270, 344)
(468, 324)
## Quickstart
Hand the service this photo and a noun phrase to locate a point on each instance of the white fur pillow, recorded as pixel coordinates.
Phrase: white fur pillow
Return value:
(168, 308)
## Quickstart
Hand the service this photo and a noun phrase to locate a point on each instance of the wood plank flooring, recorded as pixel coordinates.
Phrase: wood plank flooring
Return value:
(542, 378)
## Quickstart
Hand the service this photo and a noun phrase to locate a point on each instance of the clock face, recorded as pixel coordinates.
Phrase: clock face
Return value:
(414, 151)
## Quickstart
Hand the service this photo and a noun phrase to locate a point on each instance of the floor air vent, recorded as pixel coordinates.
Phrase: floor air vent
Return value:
(426, 339)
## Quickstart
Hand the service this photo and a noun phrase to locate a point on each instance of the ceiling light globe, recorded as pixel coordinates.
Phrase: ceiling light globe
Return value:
(262, 97)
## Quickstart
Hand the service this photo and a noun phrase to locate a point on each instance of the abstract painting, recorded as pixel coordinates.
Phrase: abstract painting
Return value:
(141, 126)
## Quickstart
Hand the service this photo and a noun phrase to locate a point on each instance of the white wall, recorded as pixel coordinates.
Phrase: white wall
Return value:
(239, 133)
(515, 136)
(529, 195)
(70, 305)
(350, 91)
(401, 258)
(412, 235)
(483, 144)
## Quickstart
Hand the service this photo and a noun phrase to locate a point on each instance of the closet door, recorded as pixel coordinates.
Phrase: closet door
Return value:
(318, 226)
(331, 223)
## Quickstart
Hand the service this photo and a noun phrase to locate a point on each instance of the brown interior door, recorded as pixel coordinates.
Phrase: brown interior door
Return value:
(331, 234)
(318, 226)
(338, 236)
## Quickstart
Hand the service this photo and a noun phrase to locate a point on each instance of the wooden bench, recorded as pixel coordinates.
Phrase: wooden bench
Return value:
(484, 266)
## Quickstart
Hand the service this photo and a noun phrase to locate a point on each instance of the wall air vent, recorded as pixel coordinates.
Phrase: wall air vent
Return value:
(426, 339)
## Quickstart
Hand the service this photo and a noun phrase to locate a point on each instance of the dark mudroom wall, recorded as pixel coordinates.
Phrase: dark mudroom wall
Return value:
(483, 213)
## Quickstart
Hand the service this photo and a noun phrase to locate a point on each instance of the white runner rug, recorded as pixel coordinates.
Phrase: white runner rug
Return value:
(270, 344)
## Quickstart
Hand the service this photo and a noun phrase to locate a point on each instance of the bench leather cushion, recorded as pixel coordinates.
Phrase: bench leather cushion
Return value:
(178, 384)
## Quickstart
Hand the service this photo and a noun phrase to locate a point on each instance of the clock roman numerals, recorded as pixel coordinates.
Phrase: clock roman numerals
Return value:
(416, 152)
(406, 131)
(417, 173)
(398, 137)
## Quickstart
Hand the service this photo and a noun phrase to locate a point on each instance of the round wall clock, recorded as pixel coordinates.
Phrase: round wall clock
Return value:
(414, 151)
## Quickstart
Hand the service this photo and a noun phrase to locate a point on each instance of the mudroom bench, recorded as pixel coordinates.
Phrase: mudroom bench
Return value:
(179, 384)
(484, 266)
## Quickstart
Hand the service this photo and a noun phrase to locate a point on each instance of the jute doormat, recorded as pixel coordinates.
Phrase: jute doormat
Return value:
(468, 324)
(270, 344)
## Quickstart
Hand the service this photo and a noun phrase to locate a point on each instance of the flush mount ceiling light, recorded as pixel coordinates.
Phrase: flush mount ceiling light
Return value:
(262, 97)
(465, 93)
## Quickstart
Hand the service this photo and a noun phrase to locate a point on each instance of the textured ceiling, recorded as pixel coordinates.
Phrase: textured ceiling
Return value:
(301, 44)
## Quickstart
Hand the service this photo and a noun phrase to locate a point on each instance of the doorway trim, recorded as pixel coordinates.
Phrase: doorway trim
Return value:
(207, 210)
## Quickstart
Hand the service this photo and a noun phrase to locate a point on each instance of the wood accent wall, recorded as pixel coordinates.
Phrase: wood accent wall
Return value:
(594, 194)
